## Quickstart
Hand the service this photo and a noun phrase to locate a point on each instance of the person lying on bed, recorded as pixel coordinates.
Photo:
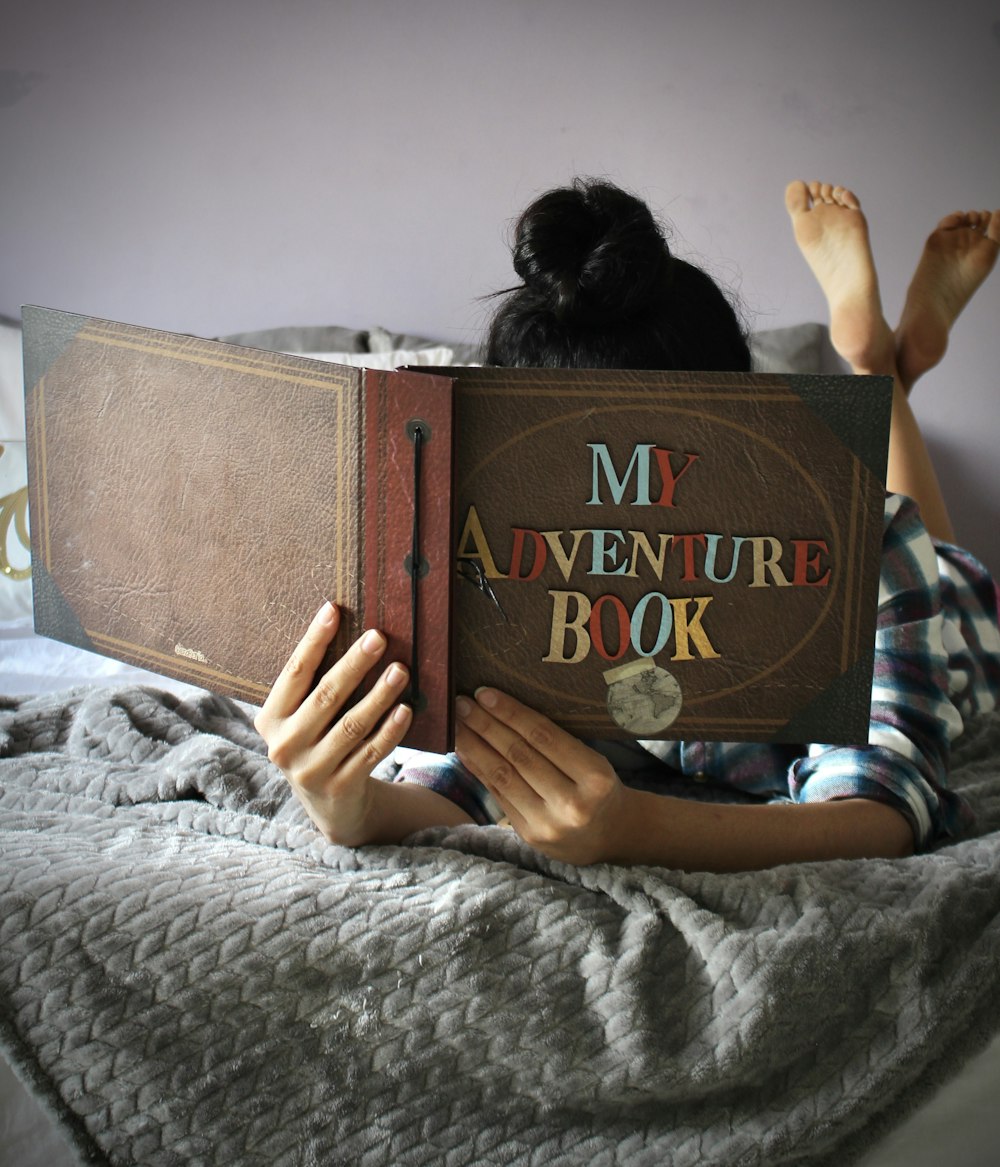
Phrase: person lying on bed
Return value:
(600, 288)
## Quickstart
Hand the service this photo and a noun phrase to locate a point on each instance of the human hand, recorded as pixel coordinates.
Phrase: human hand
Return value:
(328, 755)
(560, 796)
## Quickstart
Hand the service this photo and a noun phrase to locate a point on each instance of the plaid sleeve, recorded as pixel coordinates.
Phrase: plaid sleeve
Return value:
(913, 717)
(972, 634)
(444, 774)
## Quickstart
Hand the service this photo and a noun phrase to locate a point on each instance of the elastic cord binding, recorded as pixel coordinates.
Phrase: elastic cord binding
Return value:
(417, 431)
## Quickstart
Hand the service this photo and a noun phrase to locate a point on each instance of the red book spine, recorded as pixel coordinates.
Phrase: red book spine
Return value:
(396, 404)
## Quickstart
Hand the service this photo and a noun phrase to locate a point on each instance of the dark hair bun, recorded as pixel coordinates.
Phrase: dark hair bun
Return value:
(591, 251)
(601, 291)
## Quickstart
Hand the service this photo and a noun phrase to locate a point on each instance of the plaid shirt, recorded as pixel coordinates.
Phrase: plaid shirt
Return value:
(937, 662)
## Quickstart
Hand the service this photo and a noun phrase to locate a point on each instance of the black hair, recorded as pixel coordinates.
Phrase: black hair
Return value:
(601, 290)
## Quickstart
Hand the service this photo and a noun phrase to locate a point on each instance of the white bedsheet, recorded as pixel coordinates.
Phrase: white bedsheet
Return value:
(28, 1138)
(33, 664)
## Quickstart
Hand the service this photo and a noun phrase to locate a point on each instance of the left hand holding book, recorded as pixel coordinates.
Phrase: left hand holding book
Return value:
(558, 794)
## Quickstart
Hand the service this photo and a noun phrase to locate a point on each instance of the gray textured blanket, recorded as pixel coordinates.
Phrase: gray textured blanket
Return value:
(190, 975)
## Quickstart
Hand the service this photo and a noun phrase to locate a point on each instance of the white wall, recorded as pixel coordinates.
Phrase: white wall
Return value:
(219, 165)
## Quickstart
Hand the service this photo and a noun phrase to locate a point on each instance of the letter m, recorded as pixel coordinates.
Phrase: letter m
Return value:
(638, 463)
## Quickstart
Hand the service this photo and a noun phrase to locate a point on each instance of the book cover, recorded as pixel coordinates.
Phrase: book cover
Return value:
(638, 555)
(193, 503)
(672, 555)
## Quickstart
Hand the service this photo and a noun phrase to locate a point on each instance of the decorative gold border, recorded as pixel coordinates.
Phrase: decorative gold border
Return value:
(274, 366)
(185, 667)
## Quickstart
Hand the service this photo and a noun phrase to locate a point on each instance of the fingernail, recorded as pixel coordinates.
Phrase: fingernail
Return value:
(463, 707)
(400, 714)
(395, 675)
(372, 642)
(486, 697)
(326, 613)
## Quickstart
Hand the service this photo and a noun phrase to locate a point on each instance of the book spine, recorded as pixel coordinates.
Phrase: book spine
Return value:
(408, 539)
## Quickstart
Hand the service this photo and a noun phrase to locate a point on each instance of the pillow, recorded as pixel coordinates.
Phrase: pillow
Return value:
(15, 553)
(15, 556)
(801, 348)
(381, 341)
(11, 382)
(308, 339)
(440, 355)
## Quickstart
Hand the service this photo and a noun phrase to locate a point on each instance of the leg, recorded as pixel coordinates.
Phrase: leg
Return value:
(957, 257)
(910, 470)
(832, 234)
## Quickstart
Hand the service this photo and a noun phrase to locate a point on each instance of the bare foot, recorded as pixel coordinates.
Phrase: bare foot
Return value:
(832, 234)
(958, 256)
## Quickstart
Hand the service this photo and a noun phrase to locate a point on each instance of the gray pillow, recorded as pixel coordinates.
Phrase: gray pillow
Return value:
(320, 338)
(800, 348)
(382, 341)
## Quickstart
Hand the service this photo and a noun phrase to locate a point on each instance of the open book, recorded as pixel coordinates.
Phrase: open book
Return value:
(636, 554)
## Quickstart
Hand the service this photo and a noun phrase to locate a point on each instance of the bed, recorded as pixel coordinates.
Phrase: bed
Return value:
(190, 974)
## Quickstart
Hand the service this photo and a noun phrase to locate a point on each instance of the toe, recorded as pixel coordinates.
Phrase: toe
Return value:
(845, 198)
(797, 197)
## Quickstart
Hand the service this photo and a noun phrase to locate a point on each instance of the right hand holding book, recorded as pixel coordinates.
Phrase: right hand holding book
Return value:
(327, 754)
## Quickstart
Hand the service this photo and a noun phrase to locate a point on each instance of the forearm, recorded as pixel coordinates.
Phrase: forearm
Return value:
(695, 836)
(397, 809)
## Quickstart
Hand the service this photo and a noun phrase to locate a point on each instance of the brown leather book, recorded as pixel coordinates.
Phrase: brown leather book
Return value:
(636, 554)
